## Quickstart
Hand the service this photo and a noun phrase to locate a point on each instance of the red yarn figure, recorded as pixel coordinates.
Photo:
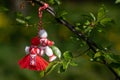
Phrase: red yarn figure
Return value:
(33, 60)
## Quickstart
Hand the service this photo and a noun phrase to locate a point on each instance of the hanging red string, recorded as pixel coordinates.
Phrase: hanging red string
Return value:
(40, 14)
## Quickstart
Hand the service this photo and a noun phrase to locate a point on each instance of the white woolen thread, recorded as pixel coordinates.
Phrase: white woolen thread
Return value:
(27, 49)
(38, 51)
(43, 33)
(41, 52)
(43, 40)
(52, 58)
(48, 51)
(33, 50)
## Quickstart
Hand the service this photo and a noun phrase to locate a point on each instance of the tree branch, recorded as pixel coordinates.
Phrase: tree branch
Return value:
(92, 45)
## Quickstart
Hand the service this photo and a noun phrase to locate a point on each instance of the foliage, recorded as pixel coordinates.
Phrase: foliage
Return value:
(3, 9)
(55, 2)
(23, 20)
(92, 23)
(64, 61)
(117, 1)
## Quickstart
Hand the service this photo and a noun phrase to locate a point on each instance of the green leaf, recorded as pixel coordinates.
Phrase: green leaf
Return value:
(99, 30)
(108, 58)
(65, 64)
(115, 57)
(77, 28)
(93, 16)
(85, 26)
(66, 61)
(88, 29)
(87, 22)
(112, 57)
(3, 9)
(67, 55)
(98, 54)
(61, 69)
(73, 63)
(54, 2)
(117, 1)
(19, 14)
(51, 1)
(28, 17)
(77, 24)
(58, 2)
(99, 57)
(101, 13)
(20, 21)
(63, 13)
(56, 51)
(105, 21)
(51, 67)
(42, 74)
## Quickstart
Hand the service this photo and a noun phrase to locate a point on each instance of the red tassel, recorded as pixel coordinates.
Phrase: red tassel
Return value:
(41, 64)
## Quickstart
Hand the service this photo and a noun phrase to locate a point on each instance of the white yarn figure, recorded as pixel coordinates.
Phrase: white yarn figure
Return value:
(44, 45)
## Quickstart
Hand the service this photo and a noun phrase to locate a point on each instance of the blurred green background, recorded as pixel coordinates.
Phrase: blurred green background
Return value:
(14, 37)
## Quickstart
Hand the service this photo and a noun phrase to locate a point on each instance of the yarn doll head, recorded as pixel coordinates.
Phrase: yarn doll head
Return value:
(35, 41)
(42, 34)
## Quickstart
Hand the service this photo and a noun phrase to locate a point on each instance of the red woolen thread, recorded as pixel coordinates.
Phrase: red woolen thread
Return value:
(40, 14)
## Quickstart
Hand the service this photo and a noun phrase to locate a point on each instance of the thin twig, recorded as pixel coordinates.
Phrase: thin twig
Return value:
(82, 53)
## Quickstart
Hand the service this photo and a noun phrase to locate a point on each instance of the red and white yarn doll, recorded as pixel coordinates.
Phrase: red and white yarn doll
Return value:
(44, 45)
(33, 60)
